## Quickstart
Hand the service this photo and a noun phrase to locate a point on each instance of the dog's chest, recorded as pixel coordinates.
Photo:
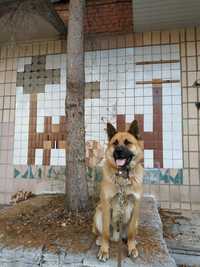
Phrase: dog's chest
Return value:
(123, 199)
(122, 186)
(121, 207)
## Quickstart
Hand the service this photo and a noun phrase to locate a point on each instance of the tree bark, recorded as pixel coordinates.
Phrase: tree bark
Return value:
(76, 183)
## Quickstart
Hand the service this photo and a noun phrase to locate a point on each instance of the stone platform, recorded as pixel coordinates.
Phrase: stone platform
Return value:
(149, 219)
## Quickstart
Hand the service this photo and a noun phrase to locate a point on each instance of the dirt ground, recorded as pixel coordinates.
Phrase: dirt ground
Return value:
(42, 222)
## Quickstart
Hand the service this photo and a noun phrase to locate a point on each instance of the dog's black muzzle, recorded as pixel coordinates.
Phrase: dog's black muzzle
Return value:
(124, 154)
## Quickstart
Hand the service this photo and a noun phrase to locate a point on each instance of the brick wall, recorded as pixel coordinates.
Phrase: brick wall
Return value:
(109, 16)
(105, 16)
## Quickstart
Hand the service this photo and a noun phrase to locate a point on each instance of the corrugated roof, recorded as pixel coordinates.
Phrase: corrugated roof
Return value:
(151, 15)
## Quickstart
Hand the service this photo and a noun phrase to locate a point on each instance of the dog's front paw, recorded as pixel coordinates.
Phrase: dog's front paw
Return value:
(132, 250)
(103, 254)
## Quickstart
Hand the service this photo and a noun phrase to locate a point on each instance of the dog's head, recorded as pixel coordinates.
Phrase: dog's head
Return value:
(124, 148)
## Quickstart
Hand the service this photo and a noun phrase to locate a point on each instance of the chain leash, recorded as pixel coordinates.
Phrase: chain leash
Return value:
(121, 180)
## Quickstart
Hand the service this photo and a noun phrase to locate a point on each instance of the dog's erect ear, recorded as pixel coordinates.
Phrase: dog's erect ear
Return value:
(111, 131)
(134, 129)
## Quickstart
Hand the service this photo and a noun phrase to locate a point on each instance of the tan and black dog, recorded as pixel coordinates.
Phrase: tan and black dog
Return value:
(125, 153)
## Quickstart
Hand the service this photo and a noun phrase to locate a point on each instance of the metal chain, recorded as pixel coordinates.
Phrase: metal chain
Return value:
(121, 180)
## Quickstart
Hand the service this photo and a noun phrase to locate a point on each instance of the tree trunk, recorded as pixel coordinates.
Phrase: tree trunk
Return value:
(76, 183)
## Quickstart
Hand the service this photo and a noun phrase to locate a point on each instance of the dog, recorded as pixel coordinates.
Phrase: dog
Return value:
(124, 153)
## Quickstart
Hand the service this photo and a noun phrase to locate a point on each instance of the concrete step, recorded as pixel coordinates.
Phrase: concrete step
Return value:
(152, 248)
(155, 252)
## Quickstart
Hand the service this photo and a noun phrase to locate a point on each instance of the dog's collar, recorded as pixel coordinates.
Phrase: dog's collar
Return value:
(123, 172)
(122, 179)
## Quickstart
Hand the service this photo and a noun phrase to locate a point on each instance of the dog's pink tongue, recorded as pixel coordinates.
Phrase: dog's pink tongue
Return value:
(120, 162)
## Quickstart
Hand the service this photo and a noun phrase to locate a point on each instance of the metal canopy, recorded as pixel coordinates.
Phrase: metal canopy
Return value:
(152, 15)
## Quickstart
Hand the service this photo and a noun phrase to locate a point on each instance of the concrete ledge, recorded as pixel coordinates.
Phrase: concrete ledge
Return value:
(22, 257)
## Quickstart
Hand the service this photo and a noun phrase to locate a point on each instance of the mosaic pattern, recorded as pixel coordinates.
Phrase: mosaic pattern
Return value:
(153, 176)
(39, 172)
(40, 114)
(165, 176)
(141, 83)
(121, 84)
(34, 77)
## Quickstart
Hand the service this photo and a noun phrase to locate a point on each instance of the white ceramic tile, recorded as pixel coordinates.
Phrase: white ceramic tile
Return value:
(21, 62)
(139, 92)
(177, 164)
(176, 100)
(147, 50)
(167, 163)
(175, 74)
(19, 90)
(139, 109)
(148, 67)
(157, 74)
(148, 153)
(121, 109)
(148, 57)
(139, 68)
(22, 108)
(167, 109)
(38, 156)
(148, 109)
(166, 75)
(129, 102)
(139, 101)
(177, 154)
(148, 163)
(129, 92)
(148, 101)
(168, 154)
(148, 123)
(165, 49)
(167, 100)
(147, 91)
(138, 76)
(167, 89)
(130, 75)
(129, 118)
(175, 66)
(148, 75)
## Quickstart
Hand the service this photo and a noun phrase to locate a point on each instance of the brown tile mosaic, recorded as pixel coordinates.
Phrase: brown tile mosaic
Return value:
(121, 122)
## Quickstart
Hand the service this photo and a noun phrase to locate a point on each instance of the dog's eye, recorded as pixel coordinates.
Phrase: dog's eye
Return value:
(116, 143)
(126, 142)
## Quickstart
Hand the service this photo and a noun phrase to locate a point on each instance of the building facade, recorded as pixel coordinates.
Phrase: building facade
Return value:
(149, 76)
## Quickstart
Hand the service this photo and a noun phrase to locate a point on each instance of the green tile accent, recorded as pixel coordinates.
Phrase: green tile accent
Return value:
(16, 173)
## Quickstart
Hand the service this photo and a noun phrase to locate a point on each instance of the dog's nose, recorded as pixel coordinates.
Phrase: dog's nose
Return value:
(119, 149)
(119, 152)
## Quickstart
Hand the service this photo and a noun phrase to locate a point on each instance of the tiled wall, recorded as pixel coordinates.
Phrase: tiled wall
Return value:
(128, 76)
(15, 119)
(40, 110)
(174, 190)
(190, 61)
(141, 83)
